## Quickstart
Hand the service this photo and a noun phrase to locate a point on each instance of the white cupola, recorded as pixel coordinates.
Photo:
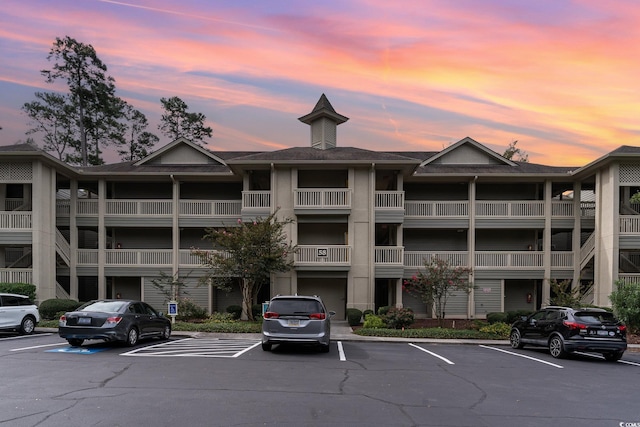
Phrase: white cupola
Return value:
(324, 122)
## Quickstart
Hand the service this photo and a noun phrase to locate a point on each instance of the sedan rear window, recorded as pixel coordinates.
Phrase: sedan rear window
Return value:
(107, 306)
(295, 306)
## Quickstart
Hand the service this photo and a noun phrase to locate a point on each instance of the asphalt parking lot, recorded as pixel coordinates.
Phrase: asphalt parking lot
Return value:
(217, 381)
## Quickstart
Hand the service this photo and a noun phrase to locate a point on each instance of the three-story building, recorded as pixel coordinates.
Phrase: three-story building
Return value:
(363, 221)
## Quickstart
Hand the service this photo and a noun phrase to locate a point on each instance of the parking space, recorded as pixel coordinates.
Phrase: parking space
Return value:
(190, 347)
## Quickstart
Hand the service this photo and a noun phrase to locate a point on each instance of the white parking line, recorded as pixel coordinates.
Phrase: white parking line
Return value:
(341, 352)
(24, 336)
(38, 346)
(626, 362)
(522, 355)
(433, 354)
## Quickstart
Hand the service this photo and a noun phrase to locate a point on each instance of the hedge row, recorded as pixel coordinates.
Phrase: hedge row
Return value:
(19, 288)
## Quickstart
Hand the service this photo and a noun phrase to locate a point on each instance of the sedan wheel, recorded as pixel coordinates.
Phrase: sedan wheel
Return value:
(75, 342)
(27, 326)
(132, 337)
(556, 347)
(514, 339)
(166, 333)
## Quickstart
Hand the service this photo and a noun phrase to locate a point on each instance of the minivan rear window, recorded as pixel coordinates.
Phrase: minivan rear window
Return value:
(295, 306)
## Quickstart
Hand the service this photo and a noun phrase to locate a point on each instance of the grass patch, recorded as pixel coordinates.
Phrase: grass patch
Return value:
(438, 333)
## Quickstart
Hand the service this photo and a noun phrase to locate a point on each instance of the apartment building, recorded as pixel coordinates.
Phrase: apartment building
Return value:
(363, 221)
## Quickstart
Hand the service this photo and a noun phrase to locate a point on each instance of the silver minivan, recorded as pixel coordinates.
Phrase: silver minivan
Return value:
(296, 319)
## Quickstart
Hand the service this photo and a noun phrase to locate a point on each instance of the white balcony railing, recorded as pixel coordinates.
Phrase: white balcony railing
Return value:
(220, 208)
(389, 255)
(256, 199)
(16, 275)
(323, 254)
(510, 209)
(15, 220)
(426, 208)
(389, 200)
(629, 224)
(417, 259)
(322, 198)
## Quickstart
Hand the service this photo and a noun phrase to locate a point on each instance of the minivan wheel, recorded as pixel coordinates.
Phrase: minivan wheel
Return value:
(266, 346)
(614, 356)
(556, 347)
(514, 339)
(28, 325)
(75, 342)
(324, 348)
(132, 337)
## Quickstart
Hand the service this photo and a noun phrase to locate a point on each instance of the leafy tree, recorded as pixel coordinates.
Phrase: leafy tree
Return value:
(564, 295)
(136, 140)
(178, 123)
(247, 254)
(90, 103)
(51, 115)
(626, 303)
(514, 153)
(437, 283)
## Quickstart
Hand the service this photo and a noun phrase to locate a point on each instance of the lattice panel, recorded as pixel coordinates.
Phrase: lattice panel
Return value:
(15, 172)
(630, 174)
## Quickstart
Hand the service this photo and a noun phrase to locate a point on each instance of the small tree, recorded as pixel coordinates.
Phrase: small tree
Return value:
(514, 153)
(626, 303)
(564, 295)
(247, 254)
(437, 283)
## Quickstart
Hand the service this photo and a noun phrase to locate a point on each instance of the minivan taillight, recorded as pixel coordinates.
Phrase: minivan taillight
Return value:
(318, 316)
(271, 315)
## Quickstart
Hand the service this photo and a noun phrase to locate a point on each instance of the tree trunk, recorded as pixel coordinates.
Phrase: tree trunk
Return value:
(247, 300)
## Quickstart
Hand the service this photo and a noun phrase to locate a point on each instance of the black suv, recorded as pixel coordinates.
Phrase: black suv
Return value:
(565, 330)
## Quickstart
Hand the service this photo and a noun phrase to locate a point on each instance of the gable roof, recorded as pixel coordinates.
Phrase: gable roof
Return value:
(490, 155)
(157, 155)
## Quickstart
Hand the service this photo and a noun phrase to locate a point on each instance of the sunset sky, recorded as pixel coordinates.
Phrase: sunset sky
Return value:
(561, 77)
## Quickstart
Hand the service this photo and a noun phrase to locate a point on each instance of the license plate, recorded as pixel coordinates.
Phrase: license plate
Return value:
(604, 333)
(84, 321)
(293, 322)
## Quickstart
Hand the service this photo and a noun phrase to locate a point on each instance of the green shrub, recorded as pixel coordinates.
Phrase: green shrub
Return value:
(236, 310)
(626, 303)
(222, 327)
(382, 311)
(19, 288)
(221, 317)
(256, 309)
(399, 318)
(354, 316)
(187, 309)
(499, 329)
(371, 321)
(367, 312)
(496, 317)
(512, 316)
(52, 309)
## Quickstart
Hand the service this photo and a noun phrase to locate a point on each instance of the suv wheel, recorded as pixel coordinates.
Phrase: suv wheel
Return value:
(514, 339)
(28, 325)
(613, 356)
(75, 342)
(266, 346)
(556, 347)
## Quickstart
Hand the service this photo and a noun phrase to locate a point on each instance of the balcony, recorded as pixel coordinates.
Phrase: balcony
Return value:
(16, 275)
(15, 221)
(256, 204)
(389, 206)
(512, 260)
(328, 257)
(138, 258)
(495, 209)
(322, 200)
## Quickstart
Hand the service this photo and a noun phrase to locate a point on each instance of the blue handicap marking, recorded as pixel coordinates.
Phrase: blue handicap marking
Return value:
(76, 350)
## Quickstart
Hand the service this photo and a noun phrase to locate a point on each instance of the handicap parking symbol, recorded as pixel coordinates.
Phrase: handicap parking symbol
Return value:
(76, 350)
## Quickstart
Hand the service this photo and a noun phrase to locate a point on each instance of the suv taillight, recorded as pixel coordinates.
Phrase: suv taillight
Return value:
(271, 315)
(318, 316)
(622, 328)
(62, 321)
(574, 325)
